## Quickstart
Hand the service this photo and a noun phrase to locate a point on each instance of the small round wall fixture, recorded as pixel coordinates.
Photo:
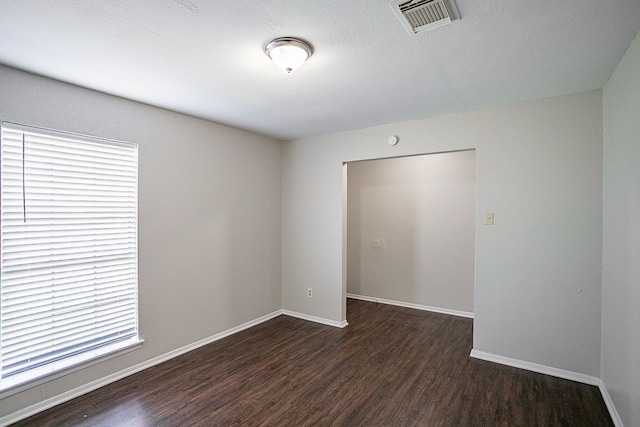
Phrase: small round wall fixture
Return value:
(288, 53)
(393, 140)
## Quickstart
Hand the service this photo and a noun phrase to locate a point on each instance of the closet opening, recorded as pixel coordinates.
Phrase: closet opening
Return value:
(409, 231)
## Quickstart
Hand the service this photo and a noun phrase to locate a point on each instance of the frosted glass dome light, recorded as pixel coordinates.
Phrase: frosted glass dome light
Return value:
(288, 53)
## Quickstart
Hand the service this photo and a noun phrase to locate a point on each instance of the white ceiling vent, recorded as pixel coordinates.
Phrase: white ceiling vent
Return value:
(423, 15)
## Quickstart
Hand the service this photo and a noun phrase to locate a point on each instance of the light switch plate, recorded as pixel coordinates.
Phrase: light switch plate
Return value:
(488, 218)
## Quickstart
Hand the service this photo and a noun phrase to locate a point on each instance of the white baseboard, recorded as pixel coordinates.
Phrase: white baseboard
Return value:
(362, 298)
(101, 382)
(560, 373)
(617, 421)
(315, 319)
(86, 388)
(534, 367)
(440, 310)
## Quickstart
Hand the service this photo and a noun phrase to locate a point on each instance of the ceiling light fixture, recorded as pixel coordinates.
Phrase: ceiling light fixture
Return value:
(288, 53)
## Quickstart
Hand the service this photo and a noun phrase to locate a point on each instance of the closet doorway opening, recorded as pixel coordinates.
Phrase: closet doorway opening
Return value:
(410, 231)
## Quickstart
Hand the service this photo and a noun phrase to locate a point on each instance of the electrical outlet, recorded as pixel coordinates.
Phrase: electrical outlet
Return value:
(310, 292)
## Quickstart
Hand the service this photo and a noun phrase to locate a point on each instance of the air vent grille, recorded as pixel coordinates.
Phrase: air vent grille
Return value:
(422, 15)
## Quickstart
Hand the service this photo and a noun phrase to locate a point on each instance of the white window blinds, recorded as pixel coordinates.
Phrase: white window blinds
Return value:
(68, 277)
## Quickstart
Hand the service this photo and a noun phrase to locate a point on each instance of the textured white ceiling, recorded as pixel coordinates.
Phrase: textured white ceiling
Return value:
(205, 57)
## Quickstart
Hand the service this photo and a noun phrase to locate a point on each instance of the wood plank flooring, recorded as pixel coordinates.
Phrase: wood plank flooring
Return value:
(391, 366)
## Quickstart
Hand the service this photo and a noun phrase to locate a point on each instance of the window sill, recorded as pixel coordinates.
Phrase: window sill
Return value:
(26, 380)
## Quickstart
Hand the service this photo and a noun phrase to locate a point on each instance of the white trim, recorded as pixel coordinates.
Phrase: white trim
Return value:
(467, 314)
(615, 417)
(560, 373)
(534, 367)
(96, 357)
(60, 134)
(362, 298)
(315, 319)
(101, 382)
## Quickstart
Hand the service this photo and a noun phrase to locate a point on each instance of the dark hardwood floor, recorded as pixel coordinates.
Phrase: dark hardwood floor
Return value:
(391, 366)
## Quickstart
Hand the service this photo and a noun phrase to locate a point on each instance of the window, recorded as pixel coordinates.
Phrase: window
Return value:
(68, 266)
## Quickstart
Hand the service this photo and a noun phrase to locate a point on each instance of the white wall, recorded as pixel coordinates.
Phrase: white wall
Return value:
(538, 269)
(621, 237)
(411, 229)
(209, 217)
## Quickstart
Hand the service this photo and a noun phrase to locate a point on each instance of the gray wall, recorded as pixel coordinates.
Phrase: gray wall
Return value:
(621, 237)
(209, 217)
(214, 200)
(538, 269)
(411, 229)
